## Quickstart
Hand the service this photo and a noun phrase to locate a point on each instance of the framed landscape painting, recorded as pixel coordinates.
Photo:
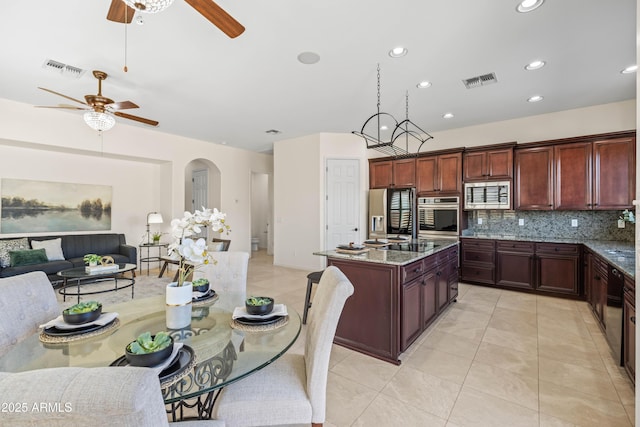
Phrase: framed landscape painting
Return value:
(37, 206)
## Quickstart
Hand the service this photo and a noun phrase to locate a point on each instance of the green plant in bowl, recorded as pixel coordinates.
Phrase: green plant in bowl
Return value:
(82, 312)
(92, 259)
(149, 350)
(259, 305)
(200, 285)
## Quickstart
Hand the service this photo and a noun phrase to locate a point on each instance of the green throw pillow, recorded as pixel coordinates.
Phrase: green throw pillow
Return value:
(28, 257)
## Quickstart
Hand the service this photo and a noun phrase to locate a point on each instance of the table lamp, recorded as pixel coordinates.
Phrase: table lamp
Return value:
(152, 218)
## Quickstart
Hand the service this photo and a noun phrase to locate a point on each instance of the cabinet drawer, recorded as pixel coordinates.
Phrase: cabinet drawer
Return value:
(477, 274)
(411, 271)
(515, 246)
(630, 288)
(478, 256)
(486, 245)
(558, 248)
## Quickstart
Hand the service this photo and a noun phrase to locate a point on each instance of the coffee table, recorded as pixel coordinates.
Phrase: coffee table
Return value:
(81, 277)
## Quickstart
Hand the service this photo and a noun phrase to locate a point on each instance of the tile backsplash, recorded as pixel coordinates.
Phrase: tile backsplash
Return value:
(592, 225)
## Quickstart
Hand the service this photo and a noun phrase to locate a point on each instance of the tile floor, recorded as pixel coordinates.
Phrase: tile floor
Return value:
(494, 358)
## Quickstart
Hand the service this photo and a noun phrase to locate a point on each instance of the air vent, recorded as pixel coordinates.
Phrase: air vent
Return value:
(272, 131)
(478, 81)
(64, 69)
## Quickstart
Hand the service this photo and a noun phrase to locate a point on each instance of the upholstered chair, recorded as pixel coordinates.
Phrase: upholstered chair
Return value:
(83, 397)
(293, 389)
(228, 273)
(26, 301)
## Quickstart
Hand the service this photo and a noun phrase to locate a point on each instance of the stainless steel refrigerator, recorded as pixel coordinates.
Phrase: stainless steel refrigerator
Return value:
(392, 212)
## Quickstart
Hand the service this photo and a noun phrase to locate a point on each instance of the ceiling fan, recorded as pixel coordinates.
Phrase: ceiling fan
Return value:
(100, 108)
(123, 10)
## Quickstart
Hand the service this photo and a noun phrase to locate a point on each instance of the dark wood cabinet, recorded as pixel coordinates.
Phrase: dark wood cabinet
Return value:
(614, 173)
(398, 173)
(430, 306)
(411, 311)
(439, 174)
(477, 261)
(629, 328)
(573, 172)
(557, 268)
(596, 280)
(533, 186)
(488, 164)
(453, 273)
(514, 267)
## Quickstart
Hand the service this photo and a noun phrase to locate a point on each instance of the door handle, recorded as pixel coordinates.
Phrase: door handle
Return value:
(355, 229)
(633, 319)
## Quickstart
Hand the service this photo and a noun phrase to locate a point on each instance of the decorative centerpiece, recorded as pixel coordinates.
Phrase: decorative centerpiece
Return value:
(259, 305)
(83, 312)
(201, 285)
(92, 259)
(156, 237)
(149, 350)
(191, 253)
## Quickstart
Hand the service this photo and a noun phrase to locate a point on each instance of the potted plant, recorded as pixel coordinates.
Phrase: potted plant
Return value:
(156, 237)
(191, 253)
(92, 259)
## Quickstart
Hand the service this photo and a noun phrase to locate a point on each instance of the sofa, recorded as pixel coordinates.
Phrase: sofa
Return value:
(52, 254)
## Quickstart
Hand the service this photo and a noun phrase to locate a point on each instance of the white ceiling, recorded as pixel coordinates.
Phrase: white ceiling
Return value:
(199, 83)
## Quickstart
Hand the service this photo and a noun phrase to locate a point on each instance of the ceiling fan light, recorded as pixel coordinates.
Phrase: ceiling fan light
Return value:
(149, 6)
(99, 121)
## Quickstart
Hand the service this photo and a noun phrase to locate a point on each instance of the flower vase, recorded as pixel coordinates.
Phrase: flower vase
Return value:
(179, 295)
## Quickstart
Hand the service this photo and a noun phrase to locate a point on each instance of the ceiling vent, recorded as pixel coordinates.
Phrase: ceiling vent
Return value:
(64, 69)
(478, 81)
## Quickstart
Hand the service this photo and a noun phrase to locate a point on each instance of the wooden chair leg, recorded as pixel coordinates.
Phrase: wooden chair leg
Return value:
(306, 301)
(316, 424)
(164, 267)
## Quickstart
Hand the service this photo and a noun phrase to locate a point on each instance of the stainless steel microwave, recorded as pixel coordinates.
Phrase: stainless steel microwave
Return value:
(487, 195)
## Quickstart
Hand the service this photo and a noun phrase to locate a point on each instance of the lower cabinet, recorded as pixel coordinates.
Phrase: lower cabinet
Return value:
(629, 328)
(515, 264)
(596, 284)
(557, 268)
(477, 261)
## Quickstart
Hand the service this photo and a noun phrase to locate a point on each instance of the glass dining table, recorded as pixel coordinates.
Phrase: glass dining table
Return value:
(218, 355)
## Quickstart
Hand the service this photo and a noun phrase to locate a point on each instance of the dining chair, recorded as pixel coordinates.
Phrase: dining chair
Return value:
(219, 245)
(227, 272)
(293, 389)
(81, 397)
(26, 301)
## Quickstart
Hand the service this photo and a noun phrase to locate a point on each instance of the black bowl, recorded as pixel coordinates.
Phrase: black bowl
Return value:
(80, 318)
(148, 359)
(201, 288)
(260, 310)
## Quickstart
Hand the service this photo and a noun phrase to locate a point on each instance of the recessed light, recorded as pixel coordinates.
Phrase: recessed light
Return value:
(630, 69)
(383, 127)
(447, 116)
(139, 20)
(397, 52)
(423, 84)
(308, 58)
(529, 5)
(535, 98)
(534, 65)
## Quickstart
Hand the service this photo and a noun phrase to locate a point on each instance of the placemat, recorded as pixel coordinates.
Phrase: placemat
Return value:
(260, 328)
(50, 339)
(206, 301)
(352, 251)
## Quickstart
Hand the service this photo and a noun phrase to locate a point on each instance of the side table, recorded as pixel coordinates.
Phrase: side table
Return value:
(149, 258)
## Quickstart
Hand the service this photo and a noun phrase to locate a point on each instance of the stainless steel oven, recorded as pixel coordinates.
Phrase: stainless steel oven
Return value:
(438, 216)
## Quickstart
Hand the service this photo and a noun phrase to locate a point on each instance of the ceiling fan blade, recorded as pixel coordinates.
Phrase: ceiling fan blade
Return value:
(218, 17)
(119, 10)
(124, 105)
(136, 118)
(64, 96)
(66, 107)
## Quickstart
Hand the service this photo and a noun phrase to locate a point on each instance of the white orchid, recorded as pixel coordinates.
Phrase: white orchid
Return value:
(193, 253)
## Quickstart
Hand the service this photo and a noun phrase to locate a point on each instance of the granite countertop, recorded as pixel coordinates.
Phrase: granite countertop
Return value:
(394, 257)
(621, 255)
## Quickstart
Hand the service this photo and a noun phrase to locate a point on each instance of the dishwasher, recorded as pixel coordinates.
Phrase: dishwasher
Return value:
(613, 313)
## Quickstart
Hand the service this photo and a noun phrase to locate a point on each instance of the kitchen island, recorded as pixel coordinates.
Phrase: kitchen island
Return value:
(398, 293)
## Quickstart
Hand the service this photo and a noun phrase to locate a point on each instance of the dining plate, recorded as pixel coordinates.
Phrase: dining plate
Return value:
(351, 247)
(209, 294)
(179, 364)
(252, 322)
(56, 332)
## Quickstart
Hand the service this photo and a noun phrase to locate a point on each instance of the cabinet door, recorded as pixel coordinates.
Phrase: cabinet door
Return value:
(573, 176)
(453, 274)
(380, 174)
(429, 301)
(450, 173)
(426, 169)
(629, 340)
(514, 269)
(499, 163)
(474, 166)
(534, 178)
(411, 323)
(557, 273)
(404, 173)
(442, 284)
(614, 173)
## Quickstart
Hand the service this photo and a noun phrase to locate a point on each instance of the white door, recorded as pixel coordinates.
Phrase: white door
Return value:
(199, 192)
(342, 202)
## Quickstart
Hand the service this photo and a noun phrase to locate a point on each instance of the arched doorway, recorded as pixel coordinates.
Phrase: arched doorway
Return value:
(202, 187)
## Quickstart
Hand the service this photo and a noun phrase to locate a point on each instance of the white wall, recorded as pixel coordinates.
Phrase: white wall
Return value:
(145, 166)
(260, 207)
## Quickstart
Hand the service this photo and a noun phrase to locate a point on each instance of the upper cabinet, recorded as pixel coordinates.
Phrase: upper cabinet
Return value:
(488, 163)
(392, 173)
(582, 173)
(439, 174)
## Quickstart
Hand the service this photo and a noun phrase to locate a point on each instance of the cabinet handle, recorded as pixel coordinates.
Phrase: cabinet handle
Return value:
(588, 204)
(439, 273)
(633, 319)
(418, 270)
(597, 277)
